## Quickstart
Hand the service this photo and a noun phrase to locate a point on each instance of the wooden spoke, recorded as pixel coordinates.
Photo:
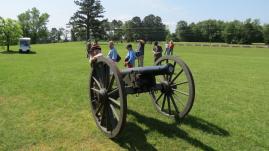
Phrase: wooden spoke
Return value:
(98, 84)
(98, 75)
(165, 76)
(103, 117)
(112, 117)
(111, 83)
(159, 98)
(177, 76)
(174, 103)
(114, 102)
(164, 99)
(178, 98)
(94, 100)
(184, 93)
(114, 111)
(99, 109)
(168, 101)
(171, 75)
(177, 84)
(175, 63)
(113, 92)
(108, 121)
(106, 76)
(95, 90)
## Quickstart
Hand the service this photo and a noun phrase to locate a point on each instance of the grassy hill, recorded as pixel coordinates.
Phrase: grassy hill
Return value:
(44, 102)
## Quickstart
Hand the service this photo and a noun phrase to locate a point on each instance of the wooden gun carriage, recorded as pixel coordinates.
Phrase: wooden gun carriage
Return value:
(169, 83)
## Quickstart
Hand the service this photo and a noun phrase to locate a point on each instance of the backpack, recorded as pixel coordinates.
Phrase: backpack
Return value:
(118, 58)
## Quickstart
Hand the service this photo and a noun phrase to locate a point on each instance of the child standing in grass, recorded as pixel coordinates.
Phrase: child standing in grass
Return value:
(130, 57)
(171, 47)
(157, 51)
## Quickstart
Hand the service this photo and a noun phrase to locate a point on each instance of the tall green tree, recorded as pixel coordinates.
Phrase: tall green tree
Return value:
(10, 31)
(115, 31)
(154, 29)
(266, 34)
(196, 33)
(251, 32)
(232, 32)
(53, 35)
(137, 28)
(88, 18)
(184, 31)
(257, 31)
(211, 30)
(60, 33)
(34, 25)
(134, 29)
(128, 32)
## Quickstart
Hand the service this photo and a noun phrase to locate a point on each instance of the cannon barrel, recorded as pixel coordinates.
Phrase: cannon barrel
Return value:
(150, 70)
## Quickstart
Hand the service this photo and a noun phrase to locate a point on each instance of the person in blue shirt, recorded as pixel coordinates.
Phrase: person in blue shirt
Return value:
(130, 57)
(112, 54)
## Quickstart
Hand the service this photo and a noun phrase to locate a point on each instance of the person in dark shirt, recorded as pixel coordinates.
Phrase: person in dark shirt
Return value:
(140, 53)
(157, 51)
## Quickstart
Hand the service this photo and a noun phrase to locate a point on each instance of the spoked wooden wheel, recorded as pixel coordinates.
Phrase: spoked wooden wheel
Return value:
(107, 97)
(178, 91)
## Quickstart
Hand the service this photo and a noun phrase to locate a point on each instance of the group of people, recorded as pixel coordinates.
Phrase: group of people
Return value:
(94, 51)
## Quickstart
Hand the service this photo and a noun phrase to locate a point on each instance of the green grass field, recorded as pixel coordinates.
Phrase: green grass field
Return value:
(44, 103)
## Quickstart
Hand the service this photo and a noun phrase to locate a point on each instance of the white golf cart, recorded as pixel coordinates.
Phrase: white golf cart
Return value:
(24, 45)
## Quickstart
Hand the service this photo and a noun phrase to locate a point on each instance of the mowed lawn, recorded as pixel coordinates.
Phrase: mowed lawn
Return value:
(44, 102)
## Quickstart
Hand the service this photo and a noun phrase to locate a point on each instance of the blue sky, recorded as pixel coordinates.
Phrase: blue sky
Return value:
(170, 11)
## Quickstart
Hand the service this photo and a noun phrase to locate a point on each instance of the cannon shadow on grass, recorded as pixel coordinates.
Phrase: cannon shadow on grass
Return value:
(198, 123)
(134, 137)
(11, 52)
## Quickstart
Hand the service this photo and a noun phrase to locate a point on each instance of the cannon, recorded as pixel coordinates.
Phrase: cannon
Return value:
(169, 83)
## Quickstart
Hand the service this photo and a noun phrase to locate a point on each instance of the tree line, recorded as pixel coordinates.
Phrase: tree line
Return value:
(88, 23)
(30, 23)
(233, 32)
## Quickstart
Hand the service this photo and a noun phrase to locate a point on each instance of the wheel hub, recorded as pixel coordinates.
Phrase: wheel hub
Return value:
(103, 95)
(167, 87)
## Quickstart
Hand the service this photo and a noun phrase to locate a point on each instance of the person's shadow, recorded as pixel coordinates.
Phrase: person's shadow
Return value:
(12, 52)
(134, 137)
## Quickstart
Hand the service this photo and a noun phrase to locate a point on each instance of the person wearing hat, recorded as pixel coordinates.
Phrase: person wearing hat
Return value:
(140, 53)
(130, 57)
(157, 51)
(94, 53)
